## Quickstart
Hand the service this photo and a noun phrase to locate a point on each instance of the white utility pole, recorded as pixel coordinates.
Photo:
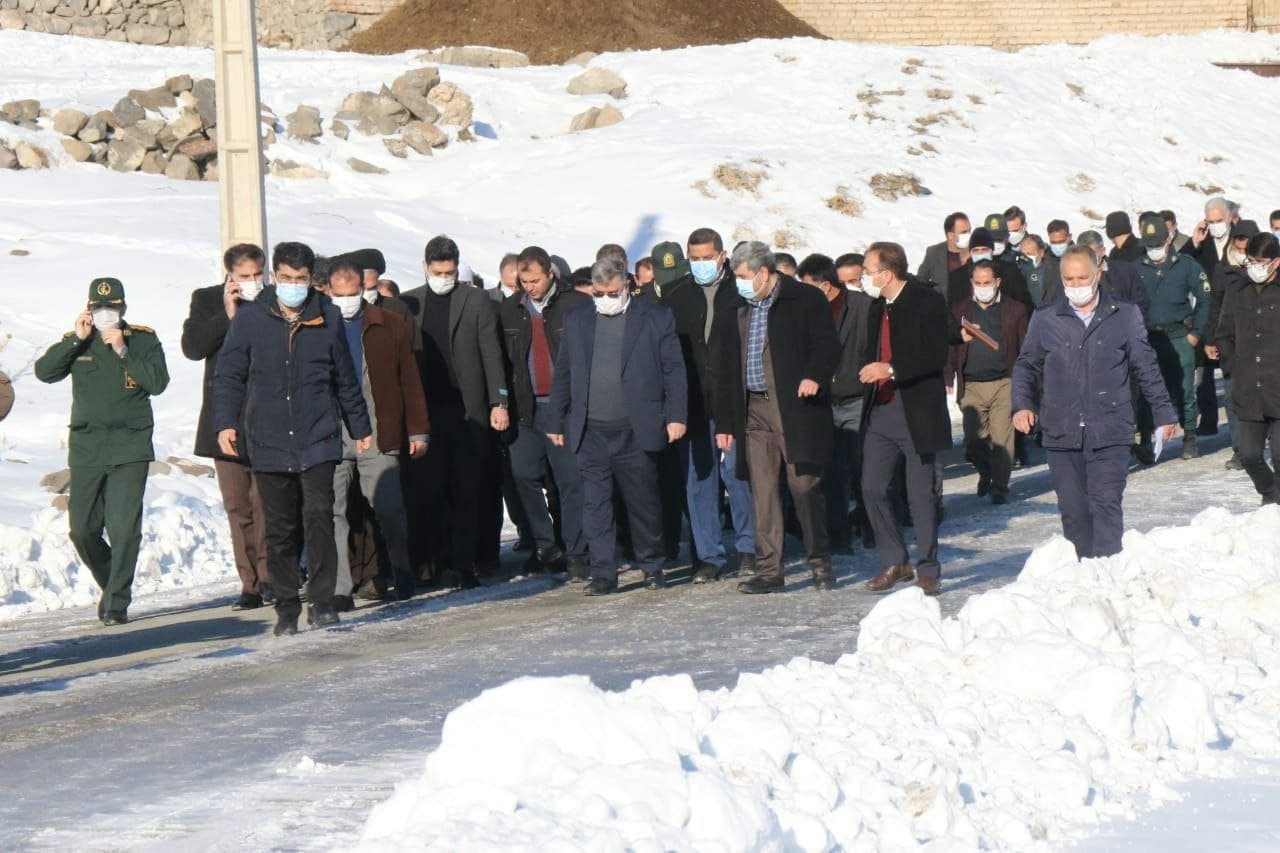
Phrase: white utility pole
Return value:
(242, 214)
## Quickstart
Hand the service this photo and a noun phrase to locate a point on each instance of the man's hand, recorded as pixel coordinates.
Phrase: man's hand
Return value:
(84, 324)
(966, 335)
(951, 389)
(1211, 352)
(1168, 431)
(417, 449)
(1024, 421)
(499, 418)
(876, 371)
(808, 388)
(556, 438)
(113, 338)
(231, 298)
(724, 441)
(675, 432)
(1194, 340)
(227, 442)
(1201, 231)
(364, 444)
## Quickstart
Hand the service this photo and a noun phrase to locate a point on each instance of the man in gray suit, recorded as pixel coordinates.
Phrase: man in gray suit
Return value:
(454, 335)
(941, 259)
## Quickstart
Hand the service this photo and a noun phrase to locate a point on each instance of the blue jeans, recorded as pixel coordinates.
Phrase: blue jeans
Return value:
(703, 469)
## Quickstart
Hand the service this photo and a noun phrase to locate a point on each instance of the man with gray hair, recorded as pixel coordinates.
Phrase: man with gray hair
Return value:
(775, 357)
(619, 396)
(1212, 235)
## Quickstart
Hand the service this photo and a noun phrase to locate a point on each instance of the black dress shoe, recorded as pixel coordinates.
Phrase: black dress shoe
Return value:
(984, 485)
(706, 572)
(369, 591)
(999, 497)
(746, 565)
(286, 624)
(322, 615)
(268, 595)
(600, 586)
(459, 579)
(824, 575)
(655, 581)
(343, 603)
(759, 586)
(577, 568)
(115, 617)
(247, 601)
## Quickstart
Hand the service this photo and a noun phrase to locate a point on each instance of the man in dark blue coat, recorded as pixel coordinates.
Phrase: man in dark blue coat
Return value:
(286, 365)
(1072, 379)
(619, 396)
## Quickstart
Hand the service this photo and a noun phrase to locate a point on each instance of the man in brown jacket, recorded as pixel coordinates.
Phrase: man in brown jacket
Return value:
(981, 369)
(384, 362)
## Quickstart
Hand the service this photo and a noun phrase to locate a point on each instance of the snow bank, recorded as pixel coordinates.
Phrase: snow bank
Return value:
(1065, 698)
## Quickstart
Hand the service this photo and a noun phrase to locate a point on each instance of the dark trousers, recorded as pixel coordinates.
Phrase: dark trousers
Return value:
(511, 495)
(606, 456)
(488, 504)
(446, 489)
(1206, 391)
(767, 459)
(532, 454)
(843, 480)
(1253, 439)
(290, 500)
(1177, 360)
(1090, 487)
(671, 483)
(108, 497)
(886, 445)
(244, 513)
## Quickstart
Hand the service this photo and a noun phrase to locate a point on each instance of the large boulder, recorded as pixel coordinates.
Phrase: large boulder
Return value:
(154, 163)
(27, 109)
(178, 85)
(94, 130)
(31, 156)
(187, 124)
(454, 104)
(145, 134)
(419, 107)
(182, 168)
(583, 59)
(79, 151)
(422, 136)
(595, 117)
(396, 146)
(205, 91)
(125, 155)
(388, 113)
(69, 122)
(364, 168)
(339, 129)
(128, 112)
(477, 57)
(198, 148)
(140, 33)
(598, 81)
(356, 105)
(418, 81)
(304, 124)
(156, 99)
(290, 169)
(8, 159)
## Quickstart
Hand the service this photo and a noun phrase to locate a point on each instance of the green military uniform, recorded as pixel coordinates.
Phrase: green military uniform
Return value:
(110, 441)
(1179, 294)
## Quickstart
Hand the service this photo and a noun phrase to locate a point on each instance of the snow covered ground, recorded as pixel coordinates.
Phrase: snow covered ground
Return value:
(981, 703)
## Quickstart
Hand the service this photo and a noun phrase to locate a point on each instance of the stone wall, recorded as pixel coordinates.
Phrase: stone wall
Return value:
(1014, 23)
(313, 24)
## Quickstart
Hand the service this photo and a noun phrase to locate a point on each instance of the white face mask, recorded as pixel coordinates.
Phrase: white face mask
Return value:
(1218, 229)
(1080, 296)
(441, 284)
(1058, 249)
(1235, 257)
(370, 296)
(984, 294)
(612, 306)
(998, 248)
(1016, 237)
(1157, 254)
(980, 255)
(249, 290)
(348, 305)
(962, 240)
(106, 318)
(869, 286)
(854, 287)
(1258, 273)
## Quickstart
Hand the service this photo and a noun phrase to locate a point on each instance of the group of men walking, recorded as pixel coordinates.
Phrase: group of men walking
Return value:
(365, 442)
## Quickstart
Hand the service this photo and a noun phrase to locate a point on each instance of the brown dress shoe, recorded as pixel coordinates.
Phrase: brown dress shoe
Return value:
(890, 577)
(929, 586)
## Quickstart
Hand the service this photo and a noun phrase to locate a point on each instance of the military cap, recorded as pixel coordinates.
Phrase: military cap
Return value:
(669, 263)
(1154, 232)
(366, 259)
(997, 226)
(106, 291)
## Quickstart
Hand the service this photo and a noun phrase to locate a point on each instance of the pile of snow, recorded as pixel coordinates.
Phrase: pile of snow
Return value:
(1041, 709)
(1069, 132)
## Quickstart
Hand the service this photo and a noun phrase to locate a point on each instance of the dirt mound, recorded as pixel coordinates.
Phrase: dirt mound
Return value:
(553, 31)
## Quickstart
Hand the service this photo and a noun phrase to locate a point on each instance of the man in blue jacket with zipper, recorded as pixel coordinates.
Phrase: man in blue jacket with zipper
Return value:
(1072, 379)
(286, 365)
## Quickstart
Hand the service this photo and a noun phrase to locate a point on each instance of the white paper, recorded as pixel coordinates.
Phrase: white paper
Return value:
(1157, 444)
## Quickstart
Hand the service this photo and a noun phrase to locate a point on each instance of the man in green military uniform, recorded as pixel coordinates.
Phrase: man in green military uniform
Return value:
(1179, 313)
(115, 369)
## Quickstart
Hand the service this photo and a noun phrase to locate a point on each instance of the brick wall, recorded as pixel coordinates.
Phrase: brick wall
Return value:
(1013, 23)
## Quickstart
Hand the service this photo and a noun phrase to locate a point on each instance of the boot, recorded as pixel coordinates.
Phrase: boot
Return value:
(115, 617)
(601, 586)
(824, 576)
(1190, 450)
(322, 614)
(705, 572)
(746, 565)
(370, 591)
(577, 568)
(247, 601)
(655, 581)
(286, 623)
(759, 586)
(343, 603)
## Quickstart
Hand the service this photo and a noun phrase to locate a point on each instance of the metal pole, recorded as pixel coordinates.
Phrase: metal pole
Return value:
(241, 209)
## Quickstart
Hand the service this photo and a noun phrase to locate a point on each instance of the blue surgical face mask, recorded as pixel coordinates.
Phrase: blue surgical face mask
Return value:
(705, 272)
(292, 295)
(747, 288)
(1058, 249)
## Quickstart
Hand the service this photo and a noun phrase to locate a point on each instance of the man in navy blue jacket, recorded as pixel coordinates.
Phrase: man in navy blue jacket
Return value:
(1072, 378)
(619, 396)
(286, 365)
